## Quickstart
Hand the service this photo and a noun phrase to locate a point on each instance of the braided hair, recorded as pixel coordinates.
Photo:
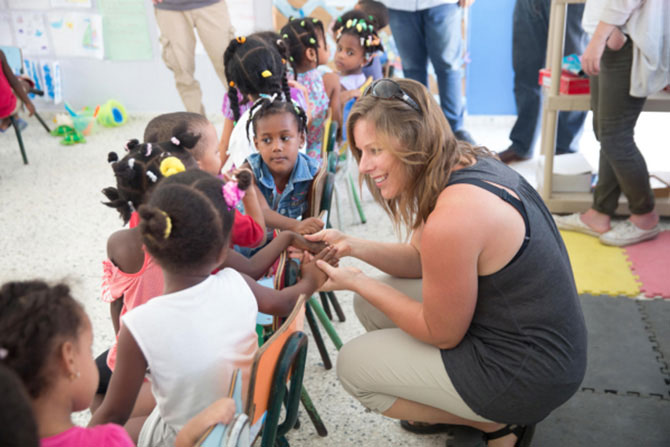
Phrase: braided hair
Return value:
(187, 222)
(255, 65)
(35, 320)
(140, 169)
(299, 35)
(265, 106)
(361, 25)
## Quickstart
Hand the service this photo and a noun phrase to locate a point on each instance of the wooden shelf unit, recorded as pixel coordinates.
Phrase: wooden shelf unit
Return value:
(555, 102)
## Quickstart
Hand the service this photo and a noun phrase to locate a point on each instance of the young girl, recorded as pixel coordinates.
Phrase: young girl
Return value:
(283, 174)
(46, 338)
(130, 275)
(255, 66)
(193, 337)
(308, 49)
(357, 41)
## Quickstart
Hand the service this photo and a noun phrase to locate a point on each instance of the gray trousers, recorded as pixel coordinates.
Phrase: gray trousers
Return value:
(622, 167)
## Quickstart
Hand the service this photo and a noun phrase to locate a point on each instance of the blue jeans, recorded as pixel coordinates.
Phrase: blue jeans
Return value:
(435, 33)
(529, 51)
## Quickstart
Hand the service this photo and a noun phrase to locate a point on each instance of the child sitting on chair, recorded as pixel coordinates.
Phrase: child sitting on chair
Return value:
(283, 174)
(12, 96)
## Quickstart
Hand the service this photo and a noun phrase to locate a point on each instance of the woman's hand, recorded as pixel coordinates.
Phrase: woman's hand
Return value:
(596, 47)
(334, 238)
(339, 278)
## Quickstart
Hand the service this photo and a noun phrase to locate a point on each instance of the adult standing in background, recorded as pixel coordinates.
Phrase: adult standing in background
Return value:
(425, 29)
(529, 52)
(176, 20)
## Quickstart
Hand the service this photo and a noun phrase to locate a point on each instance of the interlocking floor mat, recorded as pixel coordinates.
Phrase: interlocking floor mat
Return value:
(599, 269)
(650, 262)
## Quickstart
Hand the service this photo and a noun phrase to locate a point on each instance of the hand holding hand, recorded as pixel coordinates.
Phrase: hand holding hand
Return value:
(309, 225)
(339, 278)
(298, 241)
(334, 238)
(309, 270)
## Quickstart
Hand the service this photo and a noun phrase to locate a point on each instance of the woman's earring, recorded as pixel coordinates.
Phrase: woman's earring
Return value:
(74, 376)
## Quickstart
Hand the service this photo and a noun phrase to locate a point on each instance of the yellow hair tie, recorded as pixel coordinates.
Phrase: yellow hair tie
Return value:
(168, 225)
(241, 39)
(359, 27)
(266, 73)
(231, 83)
(171, 166)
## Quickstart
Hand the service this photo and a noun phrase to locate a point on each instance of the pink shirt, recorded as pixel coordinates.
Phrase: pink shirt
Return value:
(108, 435)
(135, 288)
(7, 97)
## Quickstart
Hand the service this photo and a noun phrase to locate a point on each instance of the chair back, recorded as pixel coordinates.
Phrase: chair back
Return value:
(14, 58)
(268, 359)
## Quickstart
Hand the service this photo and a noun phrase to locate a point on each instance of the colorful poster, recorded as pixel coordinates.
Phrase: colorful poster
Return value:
(70, 3)
(30, 33)
(76, 34)
(28, 4)
(6, 35)
(51, 75)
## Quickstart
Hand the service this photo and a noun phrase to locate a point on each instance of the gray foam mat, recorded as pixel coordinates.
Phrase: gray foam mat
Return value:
(594, 419)
(656, 314)
(621, 356)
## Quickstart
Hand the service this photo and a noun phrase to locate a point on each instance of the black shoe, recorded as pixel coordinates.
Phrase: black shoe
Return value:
(510, 156)
(523, 433)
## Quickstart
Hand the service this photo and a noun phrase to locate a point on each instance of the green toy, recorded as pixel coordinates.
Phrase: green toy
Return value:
(70, 135)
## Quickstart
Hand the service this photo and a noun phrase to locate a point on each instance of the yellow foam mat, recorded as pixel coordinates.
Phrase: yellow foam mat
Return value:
(599, 269)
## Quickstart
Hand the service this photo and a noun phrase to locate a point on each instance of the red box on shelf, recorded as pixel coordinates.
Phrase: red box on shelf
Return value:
(571, 84)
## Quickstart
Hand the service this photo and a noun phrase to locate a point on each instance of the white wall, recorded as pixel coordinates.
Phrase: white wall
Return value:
(143, 86)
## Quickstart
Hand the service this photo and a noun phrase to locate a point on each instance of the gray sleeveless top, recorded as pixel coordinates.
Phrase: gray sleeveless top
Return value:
(525, 351)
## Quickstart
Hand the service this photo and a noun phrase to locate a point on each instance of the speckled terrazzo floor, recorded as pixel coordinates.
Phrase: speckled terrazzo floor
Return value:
(52, 225)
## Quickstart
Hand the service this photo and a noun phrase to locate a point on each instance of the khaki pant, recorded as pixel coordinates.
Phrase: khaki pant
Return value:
(178, 42)
(386, 363)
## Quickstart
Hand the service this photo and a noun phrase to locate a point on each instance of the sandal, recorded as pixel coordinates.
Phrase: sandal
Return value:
(523, 433)
(424, 428)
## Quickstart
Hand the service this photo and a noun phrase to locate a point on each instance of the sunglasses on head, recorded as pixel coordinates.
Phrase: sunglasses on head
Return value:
(388, 89)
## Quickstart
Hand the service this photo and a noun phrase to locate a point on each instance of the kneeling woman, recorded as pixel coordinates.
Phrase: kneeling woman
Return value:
(479, 323)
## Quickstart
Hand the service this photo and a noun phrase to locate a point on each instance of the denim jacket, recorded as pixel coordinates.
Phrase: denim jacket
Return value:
(293, 200)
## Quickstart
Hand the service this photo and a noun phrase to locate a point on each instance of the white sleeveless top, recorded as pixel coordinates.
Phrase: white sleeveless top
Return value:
(193, 340)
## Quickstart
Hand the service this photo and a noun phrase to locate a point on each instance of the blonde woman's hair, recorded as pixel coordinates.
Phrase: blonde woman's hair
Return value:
(423, 142)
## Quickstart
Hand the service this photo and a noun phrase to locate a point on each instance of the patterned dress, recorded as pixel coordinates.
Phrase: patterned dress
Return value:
(313, 80)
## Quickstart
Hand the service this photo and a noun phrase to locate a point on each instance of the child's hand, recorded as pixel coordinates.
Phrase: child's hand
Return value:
(221, 411)
(309, 270)
(346, 95)
(299, 242)
(308, 226)
(334, 238)
(31, 108)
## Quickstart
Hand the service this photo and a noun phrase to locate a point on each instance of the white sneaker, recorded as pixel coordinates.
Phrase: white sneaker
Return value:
(627, 233)
(573, 222)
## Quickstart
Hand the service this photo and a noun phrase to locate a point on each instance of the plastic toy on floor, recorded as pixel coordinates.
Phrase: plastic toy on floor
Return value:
(65, 128)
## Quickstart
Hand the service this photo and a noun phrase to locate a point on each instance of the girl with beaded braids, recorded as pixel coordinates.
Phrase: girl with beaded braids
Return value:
(255, 65)
(130, 275)
(190, 355)
(357, 41)
(283, 175)
(308, 49)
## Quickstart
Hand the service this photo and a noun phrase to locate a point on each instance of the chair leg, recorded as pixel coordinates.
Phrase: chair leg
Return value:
(336, 306)
(357, 200)
(318, 339)
(44, 124)
(325, 322)
(336, 193)
(326, 306)
(20, 139)
(312, 413)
